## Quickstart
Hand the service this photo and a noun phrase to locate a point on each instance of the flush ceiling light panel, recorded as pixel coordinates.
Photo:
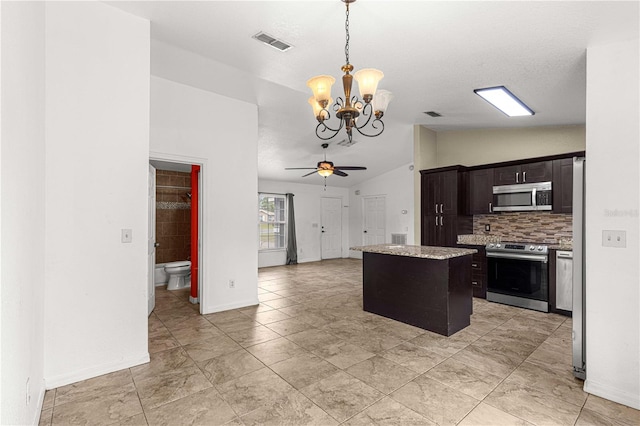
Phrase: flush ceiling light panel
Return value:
(501, 98)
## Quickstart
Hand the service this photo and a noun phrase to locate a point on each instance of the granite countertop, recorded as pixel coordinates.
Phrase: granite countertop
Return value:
(425, 252)
(483, 240)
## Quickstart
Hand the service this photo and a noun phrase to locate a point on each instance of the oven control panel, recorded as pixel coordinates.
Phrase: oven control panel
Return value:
(517, 248)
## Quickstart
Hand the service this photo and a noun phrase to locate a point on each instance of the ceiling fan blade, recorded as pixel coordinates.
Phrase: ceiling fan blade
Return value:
(310, 173)
(300, 168)
(349, 167)
(339, 173)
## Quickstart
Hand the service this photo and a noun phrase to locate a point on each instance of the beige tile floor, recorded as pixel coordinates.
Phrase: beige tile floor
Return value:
(308, 354)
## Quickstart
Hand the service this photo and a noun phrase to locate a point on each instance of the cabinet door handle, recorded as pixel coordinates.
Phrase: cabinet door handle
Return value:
(441, 208)
(517, 177)
(441, 220)
(524, 177)
(490, 207)
(436, 205)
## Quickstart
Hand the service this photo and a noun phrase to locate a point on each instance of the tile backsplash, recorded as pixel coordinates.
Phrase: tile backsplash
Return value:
(538, 227)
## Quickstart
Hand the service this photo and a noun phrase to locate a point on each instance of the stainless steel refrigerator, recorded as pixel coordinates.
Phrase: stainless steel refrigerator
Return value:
(579, 355)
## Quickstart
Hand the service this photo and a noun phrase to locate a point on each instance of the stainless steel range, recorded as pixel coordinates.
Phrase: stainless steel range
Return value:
(517, 274)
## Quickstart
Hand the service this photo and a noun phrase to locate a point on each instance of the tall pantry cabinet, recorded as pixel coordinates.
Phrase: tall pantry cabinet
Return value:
(444, 206)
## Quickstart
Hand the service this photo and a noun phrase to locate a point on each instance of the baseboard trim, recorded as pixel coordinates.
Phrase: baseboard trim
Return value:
(235, 305)
(95, 371)
(612, 394)
(38, 413)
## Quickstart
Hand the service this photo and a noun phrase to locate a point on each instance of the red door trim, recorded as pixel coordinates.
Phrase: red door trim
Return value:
(195, 171)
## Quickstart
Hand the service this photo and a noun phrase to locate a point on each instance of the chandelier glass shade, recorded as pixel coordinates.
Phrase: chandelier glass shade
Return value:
(371, 104)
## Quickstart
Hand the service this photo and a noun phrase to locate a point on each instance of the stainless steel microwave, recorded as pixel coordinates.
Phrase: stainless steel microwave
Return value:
(522, 197)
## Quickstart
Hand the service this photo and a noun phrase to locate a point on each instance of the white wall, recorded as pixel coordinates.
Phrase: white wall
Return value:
(220, 133)
(97, 153)
(612, 201)
(397, 188)
(22, 212)
(307, 202)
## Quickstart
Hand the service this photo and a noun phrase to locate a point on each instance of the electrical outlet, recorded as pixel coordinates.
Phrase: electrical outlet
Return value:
(232, 283)
(487, 227)
(614, 239)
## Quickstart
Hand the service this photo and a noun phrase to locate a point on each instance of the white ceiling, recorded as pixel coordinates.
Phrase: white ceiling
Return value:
(433, 54)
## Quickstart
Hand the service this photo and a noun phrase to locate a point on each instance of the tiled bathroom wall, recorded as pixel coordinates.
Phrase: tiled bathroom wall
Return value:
(173, 216)
(536, 227)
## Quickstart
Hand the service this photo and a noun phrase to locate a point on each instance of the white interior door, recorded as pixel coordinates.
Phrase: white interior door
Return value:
(373, 220)
(151, 242)
(331, 228)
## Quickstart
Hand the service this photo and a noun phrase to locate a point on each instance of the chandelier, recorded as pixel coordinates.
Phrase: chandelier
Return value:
(371, 105)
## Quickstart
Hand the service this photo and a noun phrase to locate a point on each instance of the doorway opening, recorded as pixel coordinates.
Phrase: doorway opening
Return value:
(175, 229)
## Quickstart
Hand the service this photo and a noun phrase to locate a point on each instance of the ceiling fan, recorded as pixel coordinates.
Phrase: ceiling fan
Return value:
(326, 168)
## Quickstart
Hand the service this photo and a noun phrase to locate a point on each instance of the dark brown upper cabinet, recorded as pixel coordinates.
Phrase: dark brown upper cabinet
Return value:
(563, 185)
(480, 191)
(541, 171)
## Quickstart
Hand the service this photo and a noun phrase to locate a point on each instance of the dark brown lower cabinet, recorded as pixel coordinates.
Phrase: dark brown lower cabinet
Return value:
(478, 271)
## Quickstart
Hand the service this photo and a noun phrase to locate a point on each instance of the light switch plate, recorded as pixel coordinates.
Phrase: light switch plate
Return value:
(614, 239)
(127, 236)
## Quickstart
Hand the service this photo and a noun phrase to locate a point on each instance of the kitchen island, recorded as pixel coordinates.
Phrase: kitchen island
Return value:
(424, 286)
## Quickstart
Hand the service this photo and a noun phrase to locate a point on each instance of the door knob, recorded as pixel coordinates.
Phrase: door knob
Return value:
(365, 231)
(156, 244)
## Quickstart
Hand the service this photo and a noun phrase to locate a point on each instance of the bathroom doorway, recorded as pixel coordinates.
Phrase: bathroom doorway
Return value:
(178, 213)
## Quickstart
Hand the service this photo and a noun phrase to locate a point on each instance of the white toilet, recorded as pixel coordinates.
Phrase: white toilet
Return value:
(178, 273)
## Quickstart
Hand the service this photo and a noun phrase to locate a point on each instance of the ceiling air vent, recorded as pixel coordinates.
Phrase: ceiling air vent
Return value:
(347, 143)
(272, 41)
(433, 114)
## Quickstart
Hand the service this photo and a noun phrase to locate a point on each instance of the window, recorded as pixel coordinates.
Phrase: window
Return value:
(272, 222)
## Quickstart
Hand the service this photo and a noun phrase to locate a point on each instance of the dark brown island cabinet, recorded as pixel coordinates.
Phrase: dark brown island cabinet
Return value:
(427, 287)
(444, 206)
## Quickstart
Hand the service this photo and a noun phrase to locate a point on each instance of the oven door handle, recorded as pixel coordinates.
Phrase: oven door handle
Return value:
(519, 256)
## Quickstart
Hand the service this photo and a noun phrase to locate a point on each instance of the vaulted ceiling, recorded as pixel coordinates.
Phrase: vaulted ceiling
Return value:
(433, 54)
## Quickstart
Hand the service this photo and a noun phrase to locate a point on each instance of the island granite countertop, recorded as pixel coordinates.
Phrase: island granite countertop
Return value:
(425, 252)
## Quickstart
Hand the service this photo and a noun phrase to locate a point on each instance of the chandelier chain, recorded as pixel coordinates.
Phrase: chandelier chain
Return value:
(346, 28)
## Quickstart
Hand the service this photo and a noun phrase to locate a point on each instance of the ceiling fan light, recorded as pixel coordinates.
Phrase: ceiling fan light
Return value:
(368, 80)
(381, 100)
(325, 168)
(321, 87)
